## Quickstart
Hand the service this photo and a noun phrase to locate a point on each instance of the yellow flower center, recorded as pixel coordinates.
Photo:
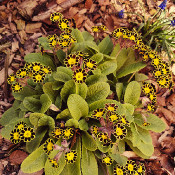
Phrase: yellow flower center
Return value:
(156, 61)
(158, 73)
(67, 133)
(49, 146)
(123, 120)
(17, 87)
(21, 126)
(72, 61)
(149, 107)
(113, 117)
(118, 34)
(66, 36)
(64, 43)
(56, 18)
(119, 171)
(107, 160)
(58, 132)
(119, 131)
(130, 167)
(99, 114)
(12, 78)
(46, 70)
(132, 37)
(147, 90)
(36, 68)
(151, 96)
(54, 43)
(162, 81)
(79, 76)
(38, 77)
(70, 156)
(89, 64)
(140, 169)
(16, 136)
(151, 55)
(95, 29)
(63, 25)
(164, 71)
(111, 108)
(95, 130)
(27, 134)
(104, 137)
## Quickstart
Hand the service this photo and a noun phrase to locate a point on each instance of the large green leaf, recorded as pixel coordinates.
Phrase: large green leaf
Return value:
(156, 124)
(61, 55)
(34, 144)
(96, 78)
(38, 57)
(88, 142)
(130, 69)
(108, 67)
(88, 162)
(35, 161)
(121, 160)
(47, 88)
(10, 114)
(82, 89)
(102, 148)
(77, 106)
(32, 104)
(26, 92)
(116, 50)
(83, 125)
(129, 107)
(46, 102)
(63, 74)
(78, 35)
(106, 45)
(44, 42)
(97, 57)
(97, 91)
(68, 88)
(72, 123)
(119, 90)
(132, 93)
(87, 36)
(140, 77)
(65, 114)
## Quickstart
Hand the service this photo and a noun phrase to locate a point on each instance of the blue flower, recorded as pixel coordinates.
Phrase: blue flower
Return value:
(173, 23)
(163, 4)
(120, 14)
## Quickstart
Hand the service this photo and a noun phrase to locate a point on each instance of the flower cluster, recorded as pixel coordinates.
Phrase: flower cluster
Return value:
(100, 28)
(22, 133)
(80, 64)
(150, 91)
(130, 168)
(34, 70)
(161, 68)
(65, 38)
(111, 124)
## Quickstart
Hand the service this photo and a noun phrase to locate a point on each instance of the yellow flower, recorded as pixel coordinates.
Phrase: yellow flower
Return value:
(20, 125)
(11, 79)
(98, 113)
(113, 116)
(80, 75)
(63, 24)
(27, 134)
(57, 133)
(124, 121)
(104, 138)
(148, 88)
(117, 33)
(36, 67)
(95, 130)
(16, 87)
(163, 82)
(48, 146)
(156, 61)
(141, 168)
(146, 124)
(71, 156)
(150, 107)
(65, 35)
(68, 133)
(38, 77)
(52, 37)
(95, 29)
(22, 73)
(120, 131)
(157, 73)
(71, 60)
(130, 166)
(47, 70)
(53, 162)
(64, 42)
(54, 17)
(90, 64)
(107, 160)
(15, 136)
(119, 170)
(111, 107)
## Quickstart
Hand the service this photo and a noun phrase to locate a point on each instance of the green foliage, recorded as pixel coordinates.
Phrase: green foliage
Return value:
(106, 45)
(44, 43)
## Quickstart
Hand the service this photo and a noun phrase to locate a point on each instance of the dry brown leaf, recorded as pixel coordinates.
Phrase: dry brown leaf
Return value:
(171, 108)
(20, 24)
(33, 27)
(155, 137)
(168, 145)
(161, 101)
(13, 27)
(73, 11)
(129, 154)
(79, 20)
(171, 99)
(15, 45)
(60, 1)
(88, 4)
(1, 168)
(2, 74)
(17, 157)
(36, 173)
(109, 23)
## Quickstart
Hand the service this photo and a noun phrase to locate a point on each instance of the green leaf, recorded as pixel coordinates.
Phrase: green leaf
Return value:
(92, 79)
(26, 92)
(35, 161)
(97, 91)
(16, 104)
(82, 89)
(121, 160)
(83, 125)
(87, 36)
(102, 148)
(57, 85)
(132, 93)
(47, 88)
(68, 88)
(136, 150)
(72, 123)
(44, 42)
(140, 77)
(156, 124)
(129, 107)
(91, 45)
(121, 58)
(10, 114)
(77, 106)
(98, 57)
(121, 146)
(32, 104)
(88, 142)
(62, 74)
(130, 69)
(78, 35)
(34, 144)
(88, 162)
(106, 45)
(65, 114)
(119, 90)
(116, 50)
(46, 102)
(108, 67)
(43, 59)
(61, 55)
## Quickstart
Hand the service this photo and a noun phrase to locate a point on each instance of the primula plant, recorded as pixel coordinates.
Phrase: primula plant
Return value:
(75, 108)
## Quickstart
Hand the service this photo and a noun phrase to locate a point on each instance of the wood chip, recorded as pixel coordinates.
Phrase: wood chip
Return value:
(15, 45)
(2, 75)
(20, 24)
(88, 4)
(33, 27)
